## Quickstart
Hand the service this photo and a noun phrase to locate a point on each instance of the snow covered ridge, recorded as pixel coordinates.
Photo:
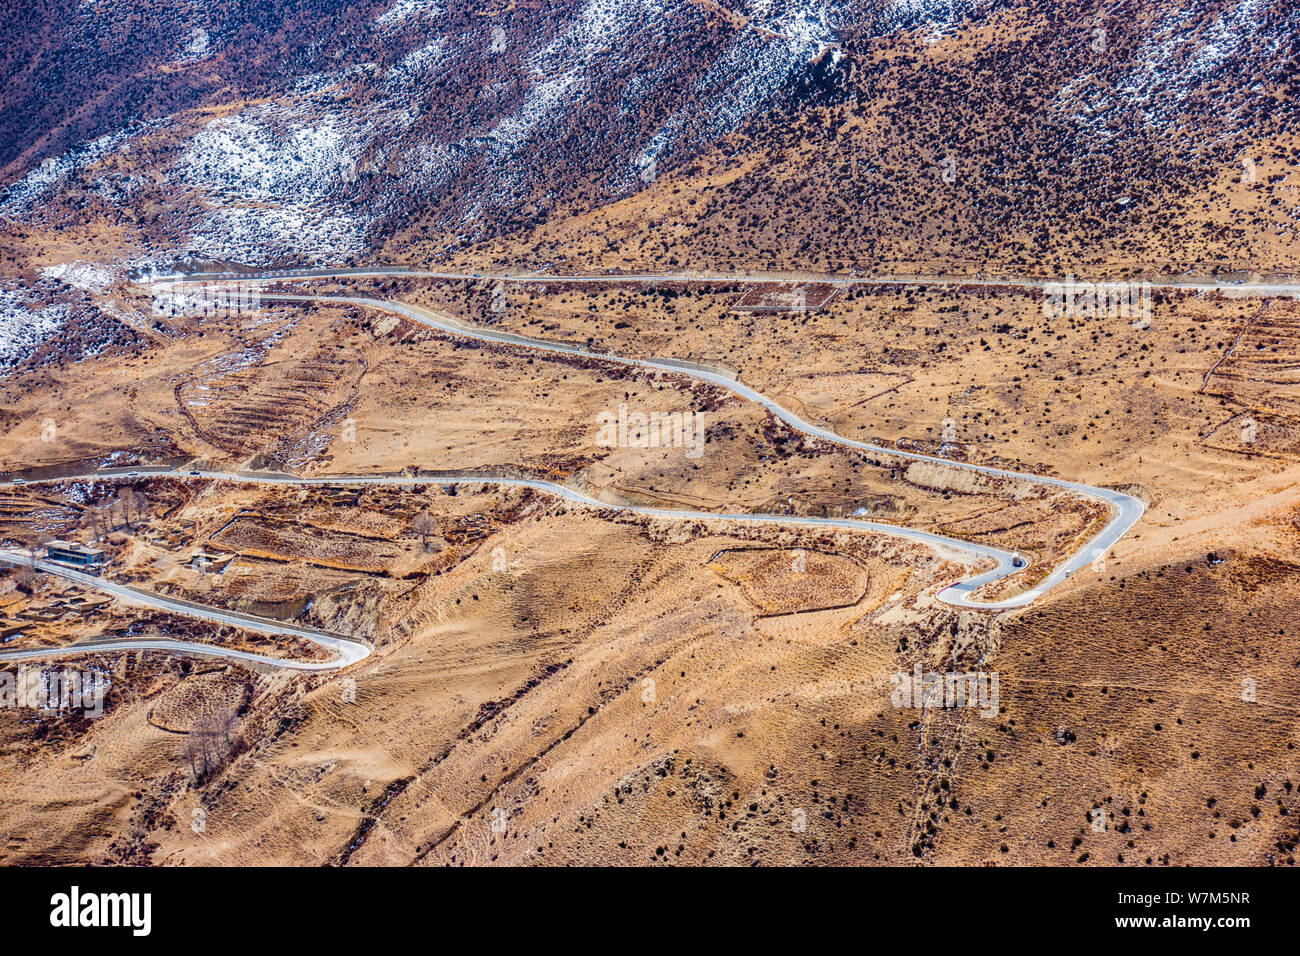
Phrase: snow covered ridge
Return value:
(565, 64)
(417, 66)
(1179, 56)
(747, 76)
(1183, 50)
(474, 118)
(25, 325)
(277, 180)
(594, 54)
(935, 16)
(267, 179)
(782, 37)
(23, 197)
(53, 321)
(56, 170)
(82, 275)
(403, 12)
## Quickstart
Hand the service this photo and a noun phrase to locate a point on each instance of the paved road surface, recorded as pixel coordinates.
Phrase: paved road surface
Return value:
(347, 650)
(1125, 509)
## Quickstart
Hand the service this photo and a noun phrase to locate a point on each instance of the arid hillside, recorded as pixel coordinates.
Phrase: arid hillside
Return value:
(628, 432)
(955, 137)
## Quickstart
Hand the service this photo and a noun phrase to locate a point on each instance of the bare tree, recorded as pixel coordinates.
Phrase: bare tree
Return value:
(101, 518)
(106, 506)
(223, 724)
(123, 500)
(27, 580)
(192, 753)
(138, 502)
(425, 525)
(33, 543)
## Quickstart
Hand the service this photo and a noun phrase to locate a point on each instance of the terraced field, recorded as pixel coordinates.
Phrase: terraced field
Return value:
(789, 581)
(1262, 368)
(1259, 374)
(330, 549)
(243, 403)
(22, 519)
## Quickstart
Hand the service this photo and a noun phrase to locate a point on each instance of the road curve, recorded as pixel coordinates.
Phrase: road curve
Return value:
(1125, 509)
(1003, 561)
(347, 650)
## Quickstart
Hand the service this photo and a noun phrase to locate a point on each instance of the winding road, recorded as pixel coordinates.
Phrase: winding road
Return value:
(348, 650)
(1125, 510)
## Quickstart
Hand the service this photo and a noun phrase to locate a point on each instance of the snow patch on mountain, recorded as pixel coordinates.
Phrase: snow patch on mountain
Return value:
(750, 71)
(1176, 59)
(940, 15)
(266, 177)
(1179, 57)
(57, 170)
(24, 325)
(198, 47)
(404, 11)
(416, 68)
(82, 275)
(564, 63)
